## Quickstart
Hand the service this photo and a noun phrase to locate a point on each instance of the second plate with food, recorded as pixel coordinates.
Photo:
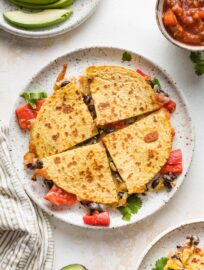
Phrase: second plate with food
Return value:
(180, 247)
(129, 151)
(82, 10)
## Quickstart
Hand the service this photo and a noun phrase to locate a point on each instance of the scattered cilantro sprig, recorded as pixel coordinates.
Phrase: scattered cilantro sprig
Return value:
(134, 203)
(160, 264)
(126, 56)
(156, 82)
(198, 60)
(33, 97)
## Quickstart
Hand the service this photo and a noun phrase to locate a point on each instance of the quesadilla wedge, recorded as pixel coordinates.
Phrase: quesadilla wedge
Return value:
(83, 172)
(62, 122)
(140, 150)
(119, 93)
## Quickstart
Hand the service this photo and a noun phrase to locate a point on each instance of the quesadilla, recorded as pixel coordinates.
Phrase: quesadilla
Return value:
(140, 150)
(83, 172)
(119, 93)
(62, 122)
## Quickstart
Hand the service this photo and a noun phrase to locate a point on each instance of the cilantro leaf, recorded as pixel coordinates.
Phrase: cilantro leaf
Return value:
(33, 97)
(160, 264)
(126, 212)
(126, 56)
(198, 60)
(134, 203)
(155, 82)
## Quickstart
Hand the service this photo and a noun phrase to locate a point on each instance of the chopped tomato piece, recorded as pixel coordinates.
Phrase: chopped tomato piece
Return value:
(201, 14)
(146, 77)
(118, 125)
(170, 106)
(58, 196)
(175, 157)
(173, 132)
(177, 169)
(26, 114)
(169, 18)
(99, 219)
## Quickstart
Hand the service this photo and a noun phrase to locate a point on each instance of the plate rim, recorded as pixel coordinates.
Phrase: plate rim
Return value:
(178, 90)
(22, 32)
(165, 233)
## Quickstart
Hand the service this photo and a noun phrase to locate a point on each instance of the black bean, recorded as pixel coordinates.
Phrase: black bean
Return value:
(176, 257)
(49, 183)
(155, 181)
(91, 108)
(64, 83)
(120, 195)
(39, 164)
(169, 177)
(92, 206)
(108, 130)
(31, 166)
(87, 98)
(167, 185)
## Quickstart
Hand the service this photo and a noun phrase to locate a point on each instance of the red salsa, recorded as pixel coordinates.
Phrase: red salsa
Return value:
(184, 20)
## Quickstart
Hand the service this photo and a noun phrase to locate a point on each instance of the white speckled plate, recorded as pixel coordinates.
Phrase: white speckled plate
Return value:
(168, 240)
(82, 10)
(77, 62)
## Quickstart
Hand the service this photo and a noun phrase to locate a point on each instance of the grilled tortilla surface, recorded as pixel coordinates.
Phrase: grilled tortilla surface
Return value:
(140, 150)
(119, 93)
(62, 122)
(84, 172)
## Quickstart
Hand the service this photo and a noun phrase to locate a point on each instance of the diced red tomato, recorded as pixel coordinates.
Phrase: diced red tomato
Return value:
(99, 219)
(26, 114)
(146, 77)
(58, 196)
(170, 106)
(169, 18)
(173, 132)
(201, 14)
(118, 125)
(176, 169)
(175, 157)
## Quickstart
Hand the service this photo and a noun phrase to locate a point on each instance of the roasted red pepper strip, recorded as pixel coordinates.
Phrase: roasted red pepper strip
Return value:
(146, 77)
(25, 114)
(170, 106)
(174, 163)
(99, 219)
(175, 157)
(58, 196)
(177, 169)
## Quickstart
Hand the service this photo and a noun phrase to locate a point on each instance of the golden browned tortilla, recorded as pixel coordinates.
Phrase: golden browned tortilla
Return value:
(140, 150)
(119, 93)
(62, 122)
(84, 172)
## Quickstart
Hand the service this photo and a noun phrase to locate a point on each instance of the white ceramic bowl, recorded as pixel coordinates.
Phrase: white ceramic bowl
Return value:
(83, 9)
(78, 61)
(159, 13)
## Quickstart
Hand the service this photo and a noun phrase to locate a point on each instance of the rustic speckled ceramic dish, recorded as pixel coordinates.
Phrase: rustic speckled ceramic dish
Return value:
(77, 62)
(159, 13)
(83, 9)
(168, 240)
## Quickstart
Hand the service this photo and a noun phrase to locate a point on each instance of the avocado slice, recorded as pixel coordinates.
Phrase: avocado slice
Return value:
(74, 267)
(58, 4)
(39, 2)
(37, 20)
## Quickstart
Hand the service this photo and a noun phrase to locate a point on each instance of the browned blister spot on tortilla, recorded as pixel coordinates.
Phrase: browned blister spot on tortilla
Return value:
(57, 160)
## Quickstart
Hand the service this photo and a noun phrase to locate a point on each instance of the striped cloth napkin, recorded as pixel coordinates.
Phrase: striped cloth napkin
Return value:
(26, 241)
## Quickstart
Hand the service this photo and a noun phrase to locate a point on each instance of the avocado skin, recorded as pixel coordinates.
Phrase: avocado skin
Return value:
(58, 4)
(74, 267)
(61, 19)
(39, 2)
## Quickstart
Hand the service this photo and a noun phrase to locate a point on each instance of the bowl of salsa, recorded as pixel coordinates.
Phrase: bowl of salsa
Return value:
(182, 22)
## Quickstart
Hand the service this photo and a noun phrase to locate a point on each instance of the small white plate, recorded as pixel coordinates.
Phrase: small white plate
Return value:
(77, 63)
(83, 9)
(168, 240)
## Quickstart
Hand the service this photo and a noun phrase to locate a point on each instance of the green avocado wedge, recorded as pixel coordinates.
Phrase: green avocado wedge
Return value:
(58, 4)
(39, 2)
(74, 267)
(37, 20)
